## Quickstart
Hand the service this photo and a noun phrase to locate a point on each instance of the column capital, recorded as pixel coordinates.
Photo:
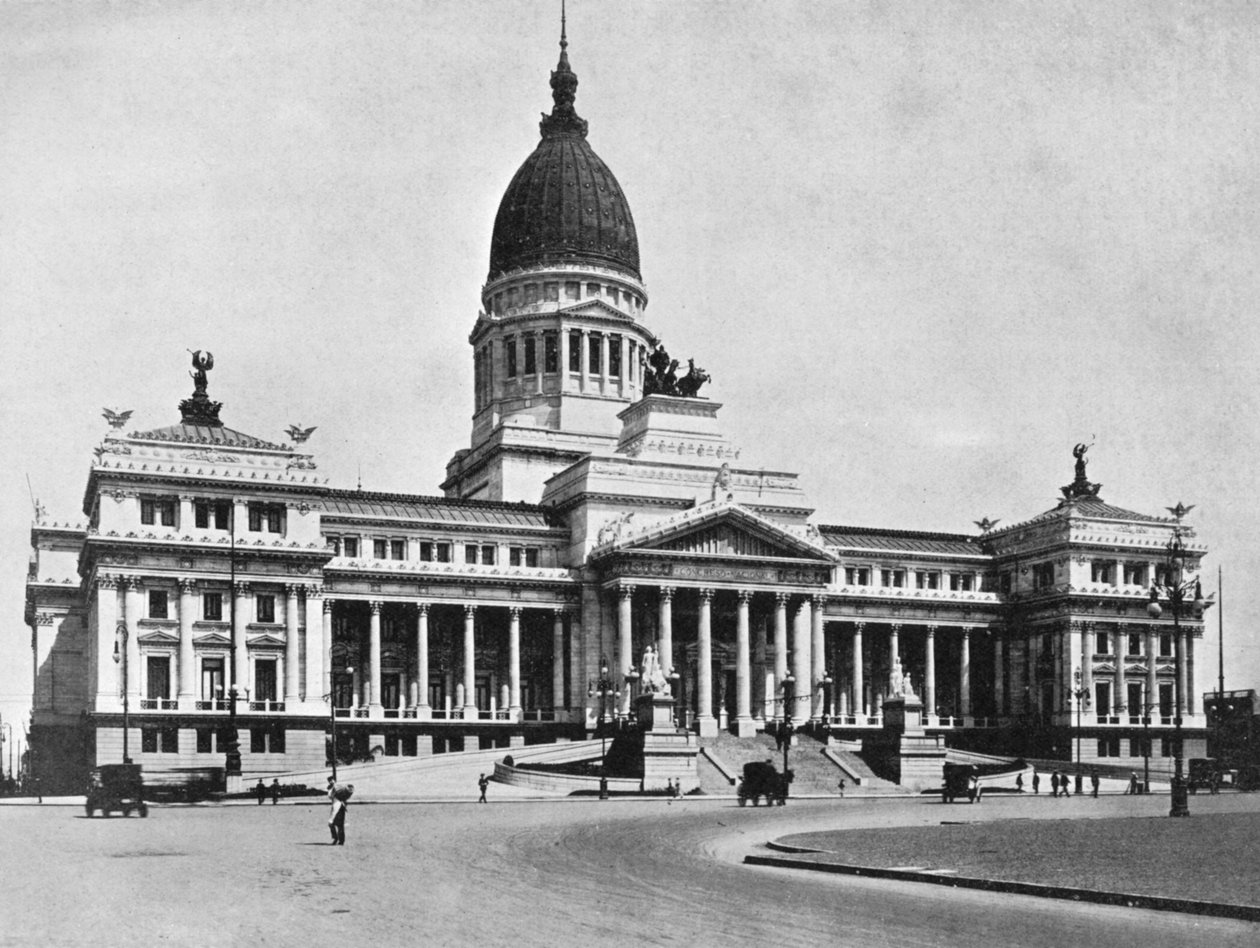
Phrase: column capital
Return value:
(931, 631)
(328, 606)
(859, 628)
(470, 610)
(132, 583)
(291, 590)
(560, 612)
(706, 594)
(818, 599)
(625, 590)
(241, 589)
(105, 581)
(894, 628)
(422, 608)
(314, 591)
(666, 592)
(744, 596)
(781, 599)
(187, 585)
(514, 612)
(375, 605)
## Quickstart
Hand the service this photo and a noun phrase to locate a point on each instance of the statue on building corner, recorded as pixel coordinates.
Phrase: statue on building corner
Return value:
(660, 375)
(722, 485)
(654, 680)
(199, 409)
(1081, 487)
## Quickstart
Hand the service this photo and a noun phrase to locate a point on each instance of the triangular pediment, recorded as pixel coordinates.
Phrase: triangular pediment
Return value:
(724, 530)
(212, 638)
(266, 641)
(158, 637)
(595, 307)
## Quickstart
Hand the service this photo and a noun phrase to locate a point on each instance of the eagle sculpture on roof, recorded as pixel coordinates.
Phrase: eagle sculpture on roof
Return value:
(298, 433)
(116, 419)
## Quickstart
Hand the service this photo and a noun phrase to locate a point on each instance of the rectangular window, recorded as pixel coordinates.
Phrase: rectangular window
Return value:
(488, 555)
(470, 553)
(531, 360)
(1135, 747)
(442, 552)
(265, 610)
(572, 290)
(1102, 698)
(1109, 747)
(1102, 643)
(575, 350)
(612, 295)
(268, 517)
(397, 549)
(551, 352)
(864, 576)
(158, 676)
(265, 679)
(531, 293)
(509, 352)
(531, 556)
(158, 604)
(211, 678)
(426, 551)
(168, 740)
(551, 292)
(266, 740)
(257, 740)
(275, 519)
(380, 549)
(592, 289)
(212, 513)
(595, 340)
(1161, 574)
(205, 740)
(255, 518)
(1165, 644)
(212, 606)
(1043, 575)
(1165, 747)
(350, 547)
(148, 740)
(1102, 571)
(1165, 699)
(1004, 581)
(147, 512)
(157, 510)
(1135, 574)
(1135, 643)
(614, 356)
(849, 576)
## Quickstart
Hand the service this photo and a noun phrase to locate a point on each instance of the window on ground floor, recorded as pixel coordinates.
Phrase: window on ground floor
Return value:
(159, 740)
(1109, 747)
(206, 743)
(266, 740)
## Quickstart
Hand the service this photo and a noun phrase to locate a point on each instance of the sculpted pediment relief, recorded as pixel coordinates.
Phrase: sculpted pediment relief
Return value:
(724, 530)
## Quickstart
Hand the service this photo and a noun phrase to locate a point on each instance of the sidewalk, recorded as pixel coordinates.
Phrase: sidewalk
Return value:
(1120, 860)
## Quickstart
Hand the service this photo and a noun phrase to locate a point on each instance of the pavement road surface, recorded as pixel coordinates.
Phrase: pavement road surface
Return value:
(535, 873)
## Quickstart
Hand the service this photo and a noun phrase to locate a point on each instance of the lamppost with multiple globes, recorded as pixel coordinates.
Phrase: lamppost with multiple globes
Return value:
(1175, 589)
(1080, 693)
(331, 698)
(789, 695)
(605, 690)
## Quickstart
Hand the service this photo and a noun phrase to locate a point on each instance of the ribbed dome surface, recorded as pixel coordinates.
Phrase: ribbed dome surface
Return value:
(563, 205)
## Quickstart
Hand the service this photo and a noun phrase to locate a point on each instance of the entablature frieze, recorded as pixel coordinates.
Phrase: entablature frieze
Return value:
(342, 576)
(764, 576)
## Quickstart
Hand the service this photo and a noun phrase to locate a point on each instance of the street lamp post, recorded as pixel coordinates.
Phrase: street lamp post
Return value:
(3, 727)
(1146, 745)
(1080, 694)
(1175, 588)
(332, 720)
(604, 689)
(789, 695)
(120, 656)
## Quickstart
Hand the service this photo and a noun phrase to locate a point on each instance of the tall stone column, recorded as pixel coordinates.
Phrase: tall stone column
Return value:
(894, 645)
(780, 652)
(666, 615)
(133, 606)
(577, 654)
(1185, 671)
(929, 672)
(859, 698)
(818, 657)
(374, 660)
(802, 665)
(603, 363)
(470, 659)
(240, 621)
(707, 724)
(964, 675)
(585, 357)
(563, 366)
(1072, 650)
(106, 637)
(625, 641)
(743, 689)
(1087, 663)
(292, 667)
(1121, 699)
(423, 711)
(1152, 671)
(758, 673)
(313, 677)
(187, 695)
(514, 663)
(557, 662)
(326, 643)
(999, 673)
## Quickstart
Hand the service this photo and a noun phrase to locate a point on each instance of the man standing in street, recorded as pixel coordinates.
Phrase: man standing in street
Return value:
(482, 783)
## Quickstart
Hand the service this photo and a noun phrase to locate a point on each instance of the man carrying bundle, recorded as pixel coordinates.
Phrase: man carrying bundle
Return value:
(339, 797)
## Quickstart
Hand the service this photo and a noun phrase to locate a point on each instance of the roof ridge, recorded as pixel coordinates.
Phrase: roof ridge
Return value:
(907, 534)
(436, 499)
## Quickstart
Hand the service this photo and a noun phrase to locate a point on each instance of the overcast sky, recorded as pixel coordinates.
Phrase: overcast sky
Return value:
(923, 248)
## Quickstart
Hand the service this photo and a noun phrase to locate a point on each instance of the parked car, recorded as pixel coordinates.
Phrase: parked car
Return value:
(116, 787)
(762, 780)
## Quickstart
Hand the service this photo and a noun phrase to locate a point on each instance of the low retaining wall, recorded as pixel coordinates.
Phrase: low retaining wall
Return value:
(561, 783)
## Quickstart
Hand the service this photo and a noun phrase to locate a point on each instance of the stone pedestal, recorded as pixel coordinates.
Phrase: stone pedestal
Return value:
(917, 759)
(669, 754)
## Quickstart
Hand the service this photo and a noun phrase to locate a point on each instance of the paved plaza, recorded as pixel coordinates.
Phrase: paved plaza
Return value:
(553, 873)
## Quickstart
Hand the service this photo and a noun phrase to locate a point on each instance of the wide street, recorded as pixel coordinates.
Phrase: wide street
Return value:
(529, 873)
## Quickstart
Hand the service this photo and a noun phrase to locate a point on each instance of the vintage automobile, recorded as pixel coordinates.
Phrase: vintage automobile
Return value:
(116, 787)
(762, 780)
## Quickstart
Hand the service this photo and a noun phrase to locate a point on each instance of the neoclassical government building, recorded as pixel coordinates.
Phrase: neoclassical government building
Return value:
(598, 510)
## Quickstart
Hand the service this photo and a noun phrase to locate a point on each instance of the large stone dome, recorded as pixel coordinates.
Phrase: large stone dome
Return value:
(563, 205)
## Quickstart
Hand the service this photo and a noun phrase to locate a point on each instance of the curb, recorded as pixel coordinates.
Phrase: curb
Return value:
(1247, 913)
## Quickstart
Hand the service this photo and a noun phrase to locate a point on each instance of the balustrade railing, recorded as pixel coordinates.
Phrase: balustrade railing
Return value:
(159, 704)
(267, 706)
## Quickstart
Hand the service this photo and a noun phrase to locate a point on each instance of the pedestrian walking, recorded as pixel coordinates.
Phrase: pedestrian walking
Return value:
(1054, 784)
(338, 798)
(275, 791)
(482, 783)
(1093, 784)
(1019, 783)
(842, 788)
(261, 791)
(1063, 784)
(1133, 784)
(1036, 782)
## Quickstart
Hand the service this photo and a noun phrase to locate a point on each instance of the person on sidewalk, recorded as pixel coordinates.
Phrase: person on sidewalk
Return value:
(275, 791)
(482, 783)
(1019, 783)
(1093, 784)
(1133, 784)
(1036, 782)
(261, 790)
(1063, 784)
(841, 788)
(339, 798)
(1054, 784)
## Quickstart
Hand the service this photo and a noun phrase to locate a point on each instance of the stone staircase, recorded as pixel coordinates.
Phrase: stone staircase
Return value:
(815, 773)
(866, 779)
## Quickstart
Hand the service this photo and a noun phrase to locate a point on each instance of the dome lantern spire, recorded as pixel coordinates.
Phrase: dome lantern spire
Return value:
(563, 120)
